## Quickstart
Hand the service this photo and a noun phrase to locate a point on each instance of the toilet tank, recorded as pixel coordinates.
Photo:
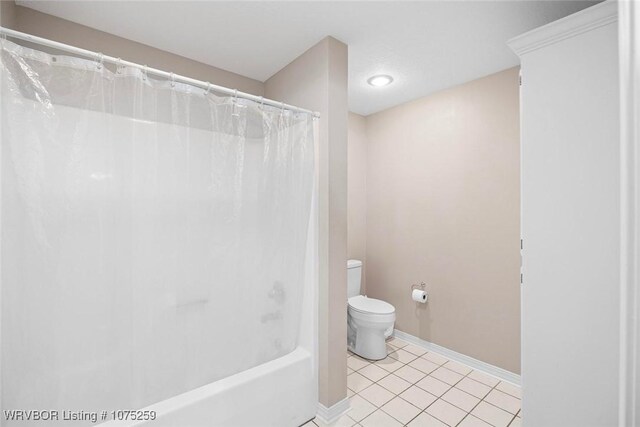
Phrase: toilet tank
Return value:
(354, 277)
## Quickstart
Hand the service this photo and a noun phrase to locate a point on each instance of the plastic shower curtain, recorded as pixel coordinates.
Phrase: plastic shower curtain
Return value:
(153, 235)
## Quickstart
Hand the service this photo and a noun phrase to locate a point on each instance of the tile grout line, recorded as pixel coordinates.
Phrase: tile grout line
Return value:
(495, 387)
(394, 394)
(451, 386)
(395, 349)
(390, 391)
(415, 384)
(458, 382)
(481, 400)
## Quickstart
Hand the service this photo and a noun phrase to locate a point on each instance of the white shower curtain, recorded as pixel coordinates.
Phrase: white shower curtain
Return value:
(153, 235)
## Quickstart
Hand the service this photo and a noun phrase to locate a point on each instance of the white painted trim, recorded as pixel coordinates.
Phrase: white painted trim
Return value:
(478, 365)
(570, 26)
(333, 413)
(629, 382)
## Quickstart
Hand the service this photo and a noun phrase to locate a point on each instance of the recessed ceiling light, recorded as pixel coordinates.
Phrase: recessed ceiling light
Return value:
(380, 80)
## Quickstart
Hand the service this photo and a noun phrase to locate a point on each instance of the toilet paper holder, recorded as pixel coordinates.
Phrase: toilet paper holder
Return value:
(421, 286)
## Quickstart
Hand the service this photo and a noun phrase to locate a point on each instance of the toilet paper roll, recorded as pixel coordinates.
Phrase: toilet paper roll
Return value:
(419, 296)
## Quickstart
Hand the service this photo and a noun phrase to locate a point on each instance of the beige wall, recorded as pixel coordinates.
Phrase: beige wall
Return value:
(357, 190)
(443, 201)
(7, 13)
(317, 80)
(50, 27)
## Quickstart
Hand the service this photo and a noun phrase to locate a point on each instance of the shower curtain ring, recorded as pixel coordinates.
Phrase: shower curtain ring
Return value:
(100, 60)
(144, 72)
(234, 107)
(173, 79)
(118, 65)
(261, 102)
(282, 108)
(208, 89)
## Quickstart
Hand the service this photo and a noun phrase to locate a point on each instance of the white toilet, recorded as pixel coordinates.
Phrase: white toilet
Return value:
(370, 321)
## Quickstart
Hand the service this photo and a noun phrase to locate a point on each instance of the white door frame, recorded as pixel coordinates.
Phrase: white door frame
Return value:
(629, 43)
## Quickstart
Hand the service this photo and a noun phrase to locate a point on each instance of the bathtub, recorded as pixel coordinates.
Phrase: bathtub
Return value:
(278, 393)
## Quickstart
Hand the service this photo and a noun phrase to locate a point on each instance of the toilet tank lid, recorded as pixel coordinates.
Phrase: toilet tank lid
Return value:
(353, 263)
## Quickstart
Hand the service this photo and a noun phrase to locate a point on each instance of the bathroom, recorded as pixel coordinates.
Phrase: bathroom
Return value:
(310, 213)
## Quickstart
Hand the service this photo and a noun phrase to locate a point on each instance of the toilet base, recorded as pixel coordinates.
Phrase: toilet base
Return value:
(368, 343)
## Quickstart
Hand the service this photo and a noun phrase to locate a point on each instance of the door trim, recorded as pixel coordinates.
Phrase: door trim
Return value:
(629, 43)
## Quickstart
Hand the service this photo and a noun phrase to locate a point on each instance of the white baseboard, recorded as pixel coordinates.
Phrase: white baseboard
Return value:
(334, 412)
(478, 365)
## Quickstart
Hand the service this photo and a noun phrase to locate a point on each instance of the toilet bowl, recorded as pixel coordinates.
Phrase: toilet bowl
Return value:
(369, 321)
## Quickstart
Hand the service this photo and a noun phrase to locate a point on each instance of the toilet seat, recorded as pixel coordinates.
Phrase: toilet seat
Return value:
(364, 305)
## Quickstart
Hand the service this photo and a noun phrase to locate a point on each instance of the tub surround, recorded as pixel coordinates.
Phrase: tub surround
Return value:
(442, 206)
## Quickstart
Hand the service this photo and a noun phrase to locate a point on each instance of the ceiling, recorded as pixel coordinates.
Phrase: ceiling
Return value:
(425, 45)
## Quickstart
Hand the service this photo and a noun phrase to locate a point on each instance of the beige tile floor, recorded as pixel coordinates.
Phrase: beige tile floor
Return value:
(416, 388)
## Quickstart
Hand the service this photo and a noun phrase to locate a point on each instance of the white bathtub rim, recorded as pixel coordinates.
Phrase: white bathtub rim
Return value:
(186, 399)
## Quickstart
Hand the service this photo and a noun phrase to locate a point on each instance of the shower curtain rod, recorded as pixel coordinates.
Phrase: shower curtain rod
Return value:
(169, 76)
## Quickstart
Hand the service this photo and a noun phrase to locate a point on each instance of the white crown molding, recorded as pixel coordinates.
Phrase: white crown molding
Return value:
(478, 365)
(570, 26)
(334, 412)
